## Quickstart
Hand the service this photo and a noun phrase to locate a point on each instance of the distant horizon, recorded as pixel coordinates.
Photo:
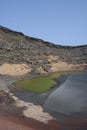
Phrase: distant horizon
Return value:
(40, 38)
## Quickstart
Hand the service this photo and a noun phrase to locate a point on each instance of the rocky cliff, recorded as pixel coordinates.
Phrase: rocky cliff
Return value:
(21, 54)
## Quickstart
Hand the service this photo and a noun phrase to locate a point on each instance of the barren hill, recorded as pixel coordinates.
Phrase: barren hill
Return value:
(21, 54)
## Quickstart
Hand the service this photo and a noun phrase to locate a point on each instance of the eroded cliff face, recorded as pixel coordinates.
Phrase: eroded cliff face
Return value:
(20, 54)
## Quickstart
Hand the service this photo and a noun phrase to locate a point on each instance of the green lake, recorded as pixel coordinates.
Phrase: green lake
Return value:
(40, 84)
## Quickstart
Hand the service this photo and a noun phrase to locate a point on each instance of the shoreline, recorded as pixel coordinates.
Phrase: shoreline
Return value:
(33, 102)
(54, 124)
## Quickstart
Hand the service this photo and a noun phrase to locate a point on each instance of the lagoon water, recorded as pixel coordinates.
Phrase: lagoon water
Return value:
(71, 97)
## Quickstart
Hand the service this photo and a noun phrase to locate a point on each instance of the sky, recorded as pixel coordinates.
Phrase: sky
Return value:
(61, 22)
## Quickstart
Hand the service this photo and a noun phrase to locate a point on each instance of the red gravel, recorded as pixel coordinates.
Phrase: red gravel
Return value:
(13, 120)
(6, 124)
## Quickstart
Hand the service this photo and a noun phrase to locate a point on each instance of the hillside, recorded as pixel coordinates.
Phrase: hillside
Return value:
(21, 54)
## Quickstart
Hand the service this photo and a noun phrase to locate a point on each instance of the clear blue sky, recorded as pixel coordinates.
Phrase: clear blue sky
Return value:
(58, 21)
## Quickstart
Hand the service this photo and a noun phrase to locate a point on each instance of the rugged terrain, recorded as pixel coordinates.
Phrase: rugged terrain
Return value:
(21, 54)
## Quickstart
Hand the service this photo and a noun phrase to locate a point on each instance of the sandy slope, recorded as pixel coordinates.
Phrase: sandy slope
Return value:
(14, 69)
